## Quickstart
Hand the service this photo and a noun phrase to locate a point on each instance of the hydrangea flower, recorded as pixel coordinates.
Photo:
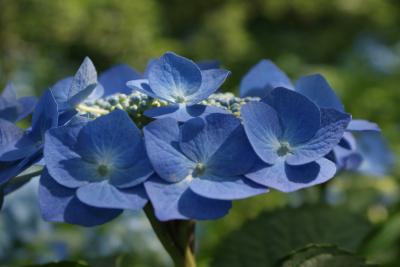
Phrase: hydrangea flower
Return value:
(13, 109)
(291, 136)
(181, 83)
(115, 78)
(25, 148)
(199, 166)
(91, 167)
(265, 76)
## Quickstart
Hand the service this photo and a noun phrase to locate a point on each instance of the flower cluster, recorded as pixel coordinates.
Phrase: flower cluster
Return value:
(165, 138)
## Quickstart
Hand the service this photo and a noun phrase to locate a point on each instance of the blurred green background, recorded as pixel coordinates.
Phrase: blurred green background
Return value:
(354, 43)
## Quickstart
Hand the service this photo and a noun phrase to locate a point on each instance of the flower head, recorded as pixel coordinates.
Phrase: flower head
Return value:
(200, 166)
(180, 82)
(102, 161)
(291, 136)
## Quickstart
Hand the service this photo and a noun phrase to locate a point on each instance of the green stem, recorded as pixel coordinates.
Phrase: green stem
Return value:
(176, 236)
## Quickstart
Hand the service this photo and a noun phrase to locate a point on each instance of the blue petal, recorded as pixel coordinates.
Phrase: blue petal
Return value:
(60, 92)
(211, 82)
(9, 133)
(45, 116)
(59, 204)
(288, 178)
(172, 201)
(18, 148)
(63, 164)
(263, 129)
(300, 118)
(96, 93)
(114, 79)
(208, 64)
(85, 77)
(183, 113)
(226, 188)
(262, 78)
(9, 110)
(27, 105)
(105, 195)
(9, 92)
(142, 85)
(317, 89)
(378, 160)
(162, 138)
(333, 125)
(219, 142)
(11, 169)
(174, 76)
(362, 125)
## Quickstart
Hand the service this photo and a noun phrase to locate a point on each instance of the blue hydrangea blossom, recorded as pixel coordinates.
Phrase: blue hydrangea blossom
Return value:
(197, 166)
(180, 82)
(94, 164)
(291, 136)
(12, 108)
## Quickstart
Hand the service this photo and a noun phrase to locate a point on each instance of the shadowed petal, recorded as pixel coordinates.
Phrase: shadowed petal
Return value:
(183, 113)
(333, 125)
(299, 117)
(59, 204)
(317, 89)
(262, 78)
(115, 78)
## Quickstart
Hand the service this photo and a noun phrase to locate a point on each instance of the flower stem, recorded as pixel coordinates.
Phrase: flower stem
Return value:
(176, 236)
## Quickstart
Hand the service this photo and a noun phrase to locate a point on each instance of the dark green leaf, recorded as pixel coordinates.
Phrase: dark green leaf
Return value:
(273, 235)
(323, 256)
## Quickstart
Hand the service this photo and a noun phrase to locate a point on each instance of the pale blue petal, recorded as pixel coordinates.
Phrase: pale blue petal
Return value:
(333, 126)
(105, 195)
(288, 178)
(174, 201)
(208, 64)
(362, 125)
(263, 129)
(226, 188)
(173, 76)
(300, 118)
(317, 89)
(162, 138)
(60, 92)
(9, 92)
(85, 77)
(211, 82)
(262, 78)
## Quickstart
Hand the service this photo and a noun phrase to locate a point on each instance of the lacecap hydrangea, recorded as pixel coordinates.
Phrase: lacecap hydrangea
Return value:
(165, 139)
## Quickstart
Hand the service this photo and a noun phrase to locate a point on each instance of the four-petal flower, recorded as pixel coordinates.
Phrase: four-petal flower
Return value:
(291, 135)
(102, 163)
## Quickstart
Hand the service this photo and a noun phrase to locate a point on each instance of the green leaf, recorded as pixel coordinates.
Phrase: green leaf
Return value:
(273, 235)
(323, 256)
(62, 264)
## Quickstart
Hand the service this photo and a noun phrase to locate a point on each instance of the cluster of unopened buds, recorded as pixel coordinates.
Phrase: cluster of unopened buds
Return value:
(167, 141)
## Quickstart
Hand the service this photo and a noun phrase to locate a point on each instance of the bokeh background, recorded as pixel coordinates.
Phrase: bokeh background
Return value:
(355, 44)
